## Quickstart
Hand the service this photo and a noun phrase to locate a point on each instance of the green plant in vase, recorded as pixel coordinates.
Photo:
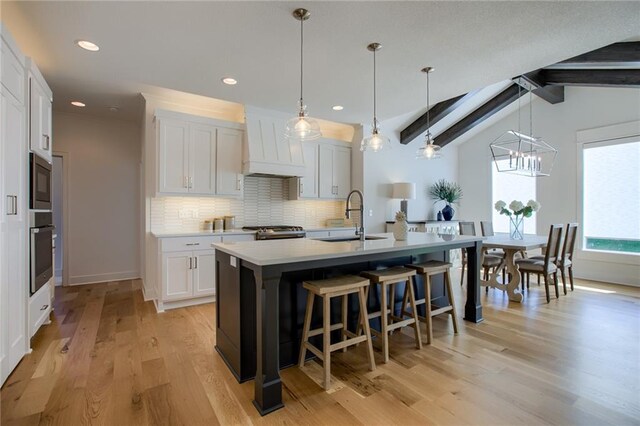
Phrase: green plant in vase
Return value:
(449, 192)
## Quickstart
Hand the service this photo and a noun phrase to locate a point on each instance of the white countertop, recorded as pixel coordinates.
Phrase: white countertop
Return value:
(202, 233)
(273, 252)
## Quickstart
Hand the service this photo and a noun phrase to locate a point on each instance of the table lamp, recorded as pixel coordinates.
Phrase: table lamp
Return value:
(404, 191)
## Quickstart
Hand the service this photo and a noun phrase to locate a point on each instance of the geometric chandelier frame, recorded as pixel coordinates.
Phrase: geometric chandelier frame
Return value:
(521, 154)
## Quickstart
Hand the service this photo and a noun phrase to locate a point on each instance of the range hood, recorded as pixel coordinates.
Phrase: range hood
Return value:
(266, 150)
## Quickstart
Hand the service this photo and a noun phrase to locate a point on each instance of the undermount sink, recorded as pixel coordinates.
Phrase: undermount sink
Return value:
(353, 238)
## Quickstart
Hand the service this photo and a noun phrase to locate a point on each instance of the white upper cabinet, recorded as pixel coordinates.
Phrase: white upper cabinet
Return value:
(229, 162)
(174, 156)
(198, 155)
(268, 151)
(13, 78)
(202, 159)
(306, 186)
(334, 171)
(40, 101)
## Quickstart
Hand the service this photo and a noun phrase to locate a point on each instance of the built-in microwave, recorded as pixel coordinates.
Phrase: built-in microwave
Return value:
(39, 183)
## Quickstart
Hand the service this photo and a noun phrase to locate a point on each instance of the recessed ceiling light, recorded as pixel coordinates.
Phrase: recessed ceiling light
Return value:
(87, 45)
(230, 81)
(78, 104)
(337, 107)
(114, 109)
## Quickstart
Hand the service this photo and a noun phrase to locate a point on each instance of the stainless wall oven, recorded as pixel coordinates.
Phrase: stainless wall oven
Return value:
(39, 183)
(41, 245)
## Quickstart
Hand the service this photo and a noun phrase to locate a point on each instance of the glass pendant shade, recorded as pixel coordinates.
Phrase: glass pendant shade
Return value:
(375, 142)
(428, 150)
(302, 128)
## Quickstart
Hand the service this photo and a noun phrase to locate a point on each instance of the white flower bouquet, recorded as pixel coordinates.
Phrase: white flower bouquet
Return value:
(517, 208)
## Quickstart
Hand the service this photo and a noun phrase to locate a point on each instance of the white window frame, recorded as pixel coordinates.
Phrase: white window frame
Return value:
(589, 138)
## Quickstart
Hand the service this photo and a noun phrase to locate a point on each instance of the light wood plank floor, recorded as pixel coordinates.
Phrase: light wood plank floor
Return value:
(109, 359)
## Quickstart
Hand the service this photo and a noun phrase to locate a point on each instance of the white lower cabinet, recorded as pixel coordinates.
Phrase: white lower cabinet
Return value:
(40, 307)
(188, 269)
(177, 275)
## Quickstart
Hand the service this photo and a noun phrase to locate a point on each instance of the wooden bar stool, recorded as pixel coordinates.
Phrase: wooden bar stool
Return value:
(427, 270)
(388, 278)
(327, 289)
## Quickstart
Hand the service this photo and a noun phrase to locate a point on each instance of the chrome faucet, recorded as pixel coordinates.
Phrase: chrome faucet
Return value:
(348, 211)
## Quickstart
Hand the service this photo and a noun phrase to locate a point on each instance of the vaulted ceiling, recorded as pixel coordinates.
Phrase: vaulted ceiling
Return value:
(190, 46)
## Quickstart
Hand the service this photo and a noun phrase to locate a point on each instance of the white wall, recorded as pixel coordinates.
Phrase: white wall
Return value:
(583, 108)
(382, 169)
(102, 156)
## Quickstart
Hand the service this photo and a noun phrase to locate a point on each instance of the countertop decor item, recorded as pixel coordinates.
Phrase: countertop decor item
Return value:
(449, 192)
(428, 150)
(517, 211)
(376, 141)
(301, 127)
(404, 191)
(401, 227)
(518, 153)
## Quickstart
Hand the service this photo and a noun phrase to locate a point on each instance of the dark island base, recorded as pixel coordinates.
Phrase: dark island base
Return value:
(236, 333)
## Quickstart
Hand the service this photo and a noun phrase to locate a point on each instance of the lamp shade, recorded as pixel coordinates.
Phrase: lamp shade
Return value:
(404, 190)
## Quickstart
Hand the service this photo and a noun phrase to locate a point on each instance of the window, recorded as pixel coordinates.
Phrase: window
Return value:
(508, 187)
(611, 196)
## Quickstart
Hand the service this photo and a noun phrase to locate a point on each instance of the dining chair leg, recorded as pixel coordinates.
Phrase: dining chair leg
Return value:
(546, 286)
(538, 279)
(571, 276)
(555, 284)
(462, 274)
(564, 281)
(528, 280)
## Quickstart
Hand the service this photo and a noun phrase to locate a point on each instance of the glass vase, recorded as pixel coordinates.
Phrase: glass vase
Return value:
(516, 227)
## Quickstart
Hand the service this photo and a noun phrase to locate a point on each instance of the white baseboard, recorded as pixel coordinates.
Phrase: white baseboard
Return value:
(148, 294)
(161, 307)
(101, 278)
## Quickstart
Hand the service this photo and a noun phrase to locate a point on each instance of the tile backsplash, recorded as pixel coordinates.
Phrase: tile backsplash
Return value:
(266, 202)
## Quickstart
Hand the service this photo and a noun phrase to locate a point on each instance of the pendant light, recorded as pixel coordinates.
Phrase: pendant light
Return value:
(516, 152)
(428, 150)
(301, 127)
(377, 141)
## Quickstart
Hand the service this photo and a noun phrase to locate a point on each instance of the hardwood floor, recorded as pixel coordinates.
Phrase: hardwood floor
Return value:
(109, 359)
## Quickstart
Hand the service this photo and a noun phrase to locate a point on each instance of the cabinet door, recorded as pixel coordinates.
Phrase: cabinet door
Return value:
(14, 282)
(308, 186)
(173, 167)
(202, 159)
(39, 120)
(326, 188)
(229, 177)
(177, 275)
(204, 273)
(342, 171)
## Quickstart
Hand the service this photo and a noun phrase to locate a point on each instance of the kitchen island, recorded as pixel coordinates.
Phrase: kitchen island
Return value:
(261, 303)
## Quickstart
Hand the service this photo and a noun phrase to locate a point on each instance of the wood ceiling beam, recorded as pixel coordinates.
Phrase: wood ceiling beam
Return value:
(592, 77)
(482, 113)
(550, 93)
(614, 55)
(436, 113)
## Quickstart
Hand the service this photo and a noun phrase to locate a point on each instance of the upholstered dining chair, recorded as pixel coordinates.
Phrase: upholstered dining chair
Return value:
(489, 261)
(547, 266)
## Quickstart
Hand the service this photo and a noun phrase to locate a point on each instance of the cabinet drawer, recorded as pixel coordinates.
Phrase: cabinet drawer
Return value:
(39, 308)
(188, 243)
(237, 238)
